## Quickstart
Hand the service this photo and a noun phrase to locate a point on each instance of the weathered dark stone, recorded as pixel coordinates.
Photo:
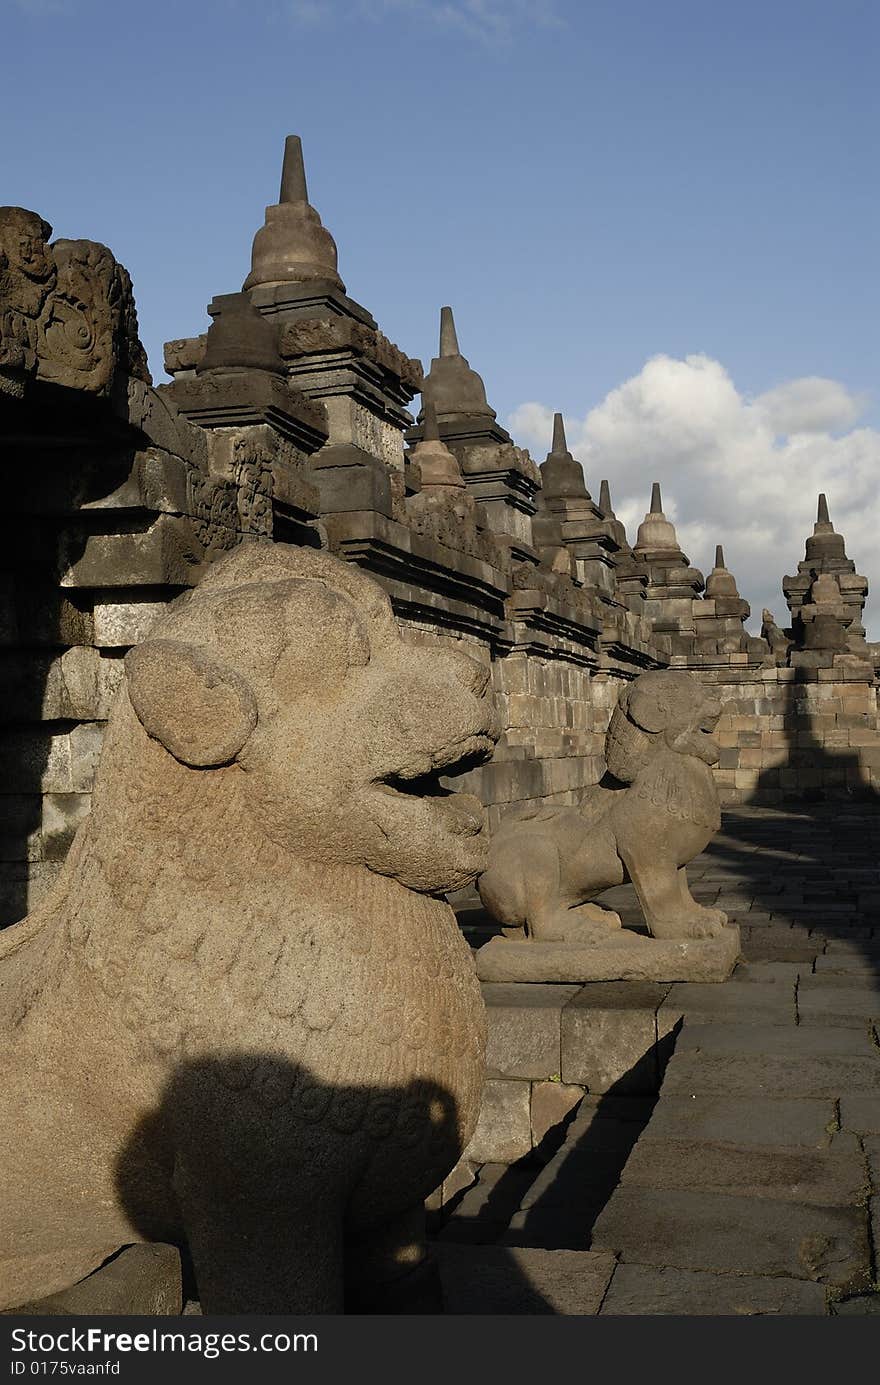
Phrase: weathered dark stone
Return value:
(498, 1279)
(737, 1235)
(609, 1037)
(647, 1291)
(524, 1029)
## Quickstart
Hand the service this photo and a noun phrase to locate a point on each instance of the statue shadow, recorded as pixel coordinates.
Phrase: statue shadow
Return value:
(551, 1199)
(283, 1192)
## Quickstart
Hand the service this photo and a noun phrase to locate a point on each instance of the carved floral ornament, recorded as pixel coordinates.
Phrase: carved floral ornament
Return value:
(67, 313)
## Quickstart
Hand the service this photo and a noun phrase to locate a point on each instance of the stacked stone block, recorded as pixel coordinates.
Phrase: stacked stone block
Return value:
(552, 1045)
(782, 737)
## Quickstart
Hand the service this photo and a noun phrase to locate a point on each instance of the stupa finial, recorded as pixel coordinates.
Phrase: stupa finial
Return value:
(448, 335)
(293, 172)
(559, 443)
(293, 247)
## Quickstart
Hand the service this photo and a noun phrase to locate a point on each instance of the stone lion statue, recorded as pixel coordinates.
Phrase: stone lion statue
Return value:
(245, 1017)
(655, 810)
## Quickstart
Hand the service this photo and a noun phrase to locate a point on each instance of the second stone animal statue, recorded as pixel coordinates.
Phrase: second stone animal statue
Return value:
(655, 810)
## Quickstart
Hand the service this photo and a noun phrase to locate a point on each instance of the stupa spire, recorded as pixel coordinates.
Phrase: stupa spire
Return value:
(559, 444)
(656, 532)
(562, 477)
(720, 581)
(605, 500)
(437, 465)
(448, 334)
(824, 543)
(293, 172)
(451, 385)
(293, 247)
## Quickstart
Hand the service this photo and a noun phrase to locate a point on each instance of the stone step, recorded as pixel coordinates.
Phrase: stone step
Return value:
(508, 1280)
(731, 1074)
(758, 1002)
(647, 1290)
(832, 1177)
(750, 1040)
(746, 1121)
(737, 1235)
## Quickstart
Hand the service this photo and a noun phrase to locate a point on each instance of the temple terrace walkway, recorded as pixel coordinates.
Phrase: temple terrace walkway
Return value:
(752, 1186)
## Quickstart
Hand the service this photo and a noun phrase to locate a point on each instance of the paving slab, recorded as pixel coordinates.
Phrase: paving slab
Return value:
(737, 1235)
(496, 1279)
(860, 1112)
(748, 1121)
(775, 947)
(865, 1305)
(823, 1177)
(784, 973)
(751, 1039)
(759, 1002)
(647, 1290)
(845, 965)
(494, 1197)
(735, 1075)
(552, 1104)
(820, 1001)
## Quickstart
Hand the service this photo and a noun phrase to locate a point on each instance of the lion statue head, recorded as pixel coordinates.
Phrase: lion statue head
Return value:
(285, 669)
(663, 709)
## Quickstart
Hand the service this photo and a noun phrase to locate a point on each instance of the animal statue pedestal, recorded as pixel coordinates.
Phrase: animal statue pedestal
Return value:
(655, 810)
(624, 956)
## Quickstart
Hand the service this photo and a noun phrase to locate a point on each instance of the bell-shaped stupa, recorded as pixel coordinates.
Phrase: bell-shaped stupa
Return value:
(293, 247)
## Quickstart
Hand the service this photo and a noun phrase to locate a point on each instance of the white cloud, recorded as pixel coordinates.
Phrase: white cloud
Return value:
(738, 471)
(809, 405)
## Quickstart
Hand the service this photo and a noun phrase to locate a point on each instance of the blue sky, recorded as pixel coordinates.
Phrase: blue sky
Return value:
(592, 185)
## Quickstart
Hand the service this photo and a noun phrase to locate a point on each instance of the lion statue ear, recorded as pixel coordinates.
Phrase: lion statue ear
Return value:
(200, 710)
(650, 708)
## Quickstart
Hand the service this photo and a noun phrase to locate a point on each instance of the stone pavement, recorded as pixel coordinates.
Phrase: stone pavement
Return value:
(752, 1186)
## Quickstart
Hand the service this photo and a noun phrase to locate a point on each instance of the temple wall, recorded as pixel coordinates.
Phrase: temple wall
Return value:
(794, 733)
(553, 716)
